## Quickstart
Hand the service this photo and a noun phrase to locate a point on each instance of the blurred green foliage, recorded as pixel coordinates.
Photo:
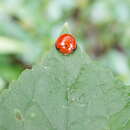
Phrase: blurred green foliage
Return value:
(28, 29)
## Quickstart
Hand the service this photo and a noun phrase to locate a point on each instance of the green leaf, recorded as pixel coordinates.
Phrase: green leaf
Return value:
(65, 93)
(9, 46)
(66, 28)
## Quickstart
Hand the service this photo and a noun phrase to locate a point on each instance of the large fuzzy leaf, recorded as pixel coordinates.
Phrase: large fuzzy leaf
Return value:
(65, 93)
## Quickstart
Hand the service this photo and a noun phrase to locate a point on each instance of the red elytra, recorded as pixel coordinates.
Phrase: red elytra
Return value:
(66, 44)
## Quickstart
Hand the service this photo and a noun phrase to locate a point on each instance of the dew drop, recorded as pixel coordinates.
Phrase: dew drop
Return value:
(45, 67)
(33, 115)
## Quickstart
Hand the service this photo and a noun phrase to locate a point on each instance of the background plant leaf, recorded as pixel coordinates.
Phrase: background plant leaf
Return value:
(65, 93)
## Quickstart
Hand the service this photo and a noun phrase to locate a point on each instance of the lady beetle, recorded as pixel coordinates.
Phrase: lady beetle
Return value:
(66, 44)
